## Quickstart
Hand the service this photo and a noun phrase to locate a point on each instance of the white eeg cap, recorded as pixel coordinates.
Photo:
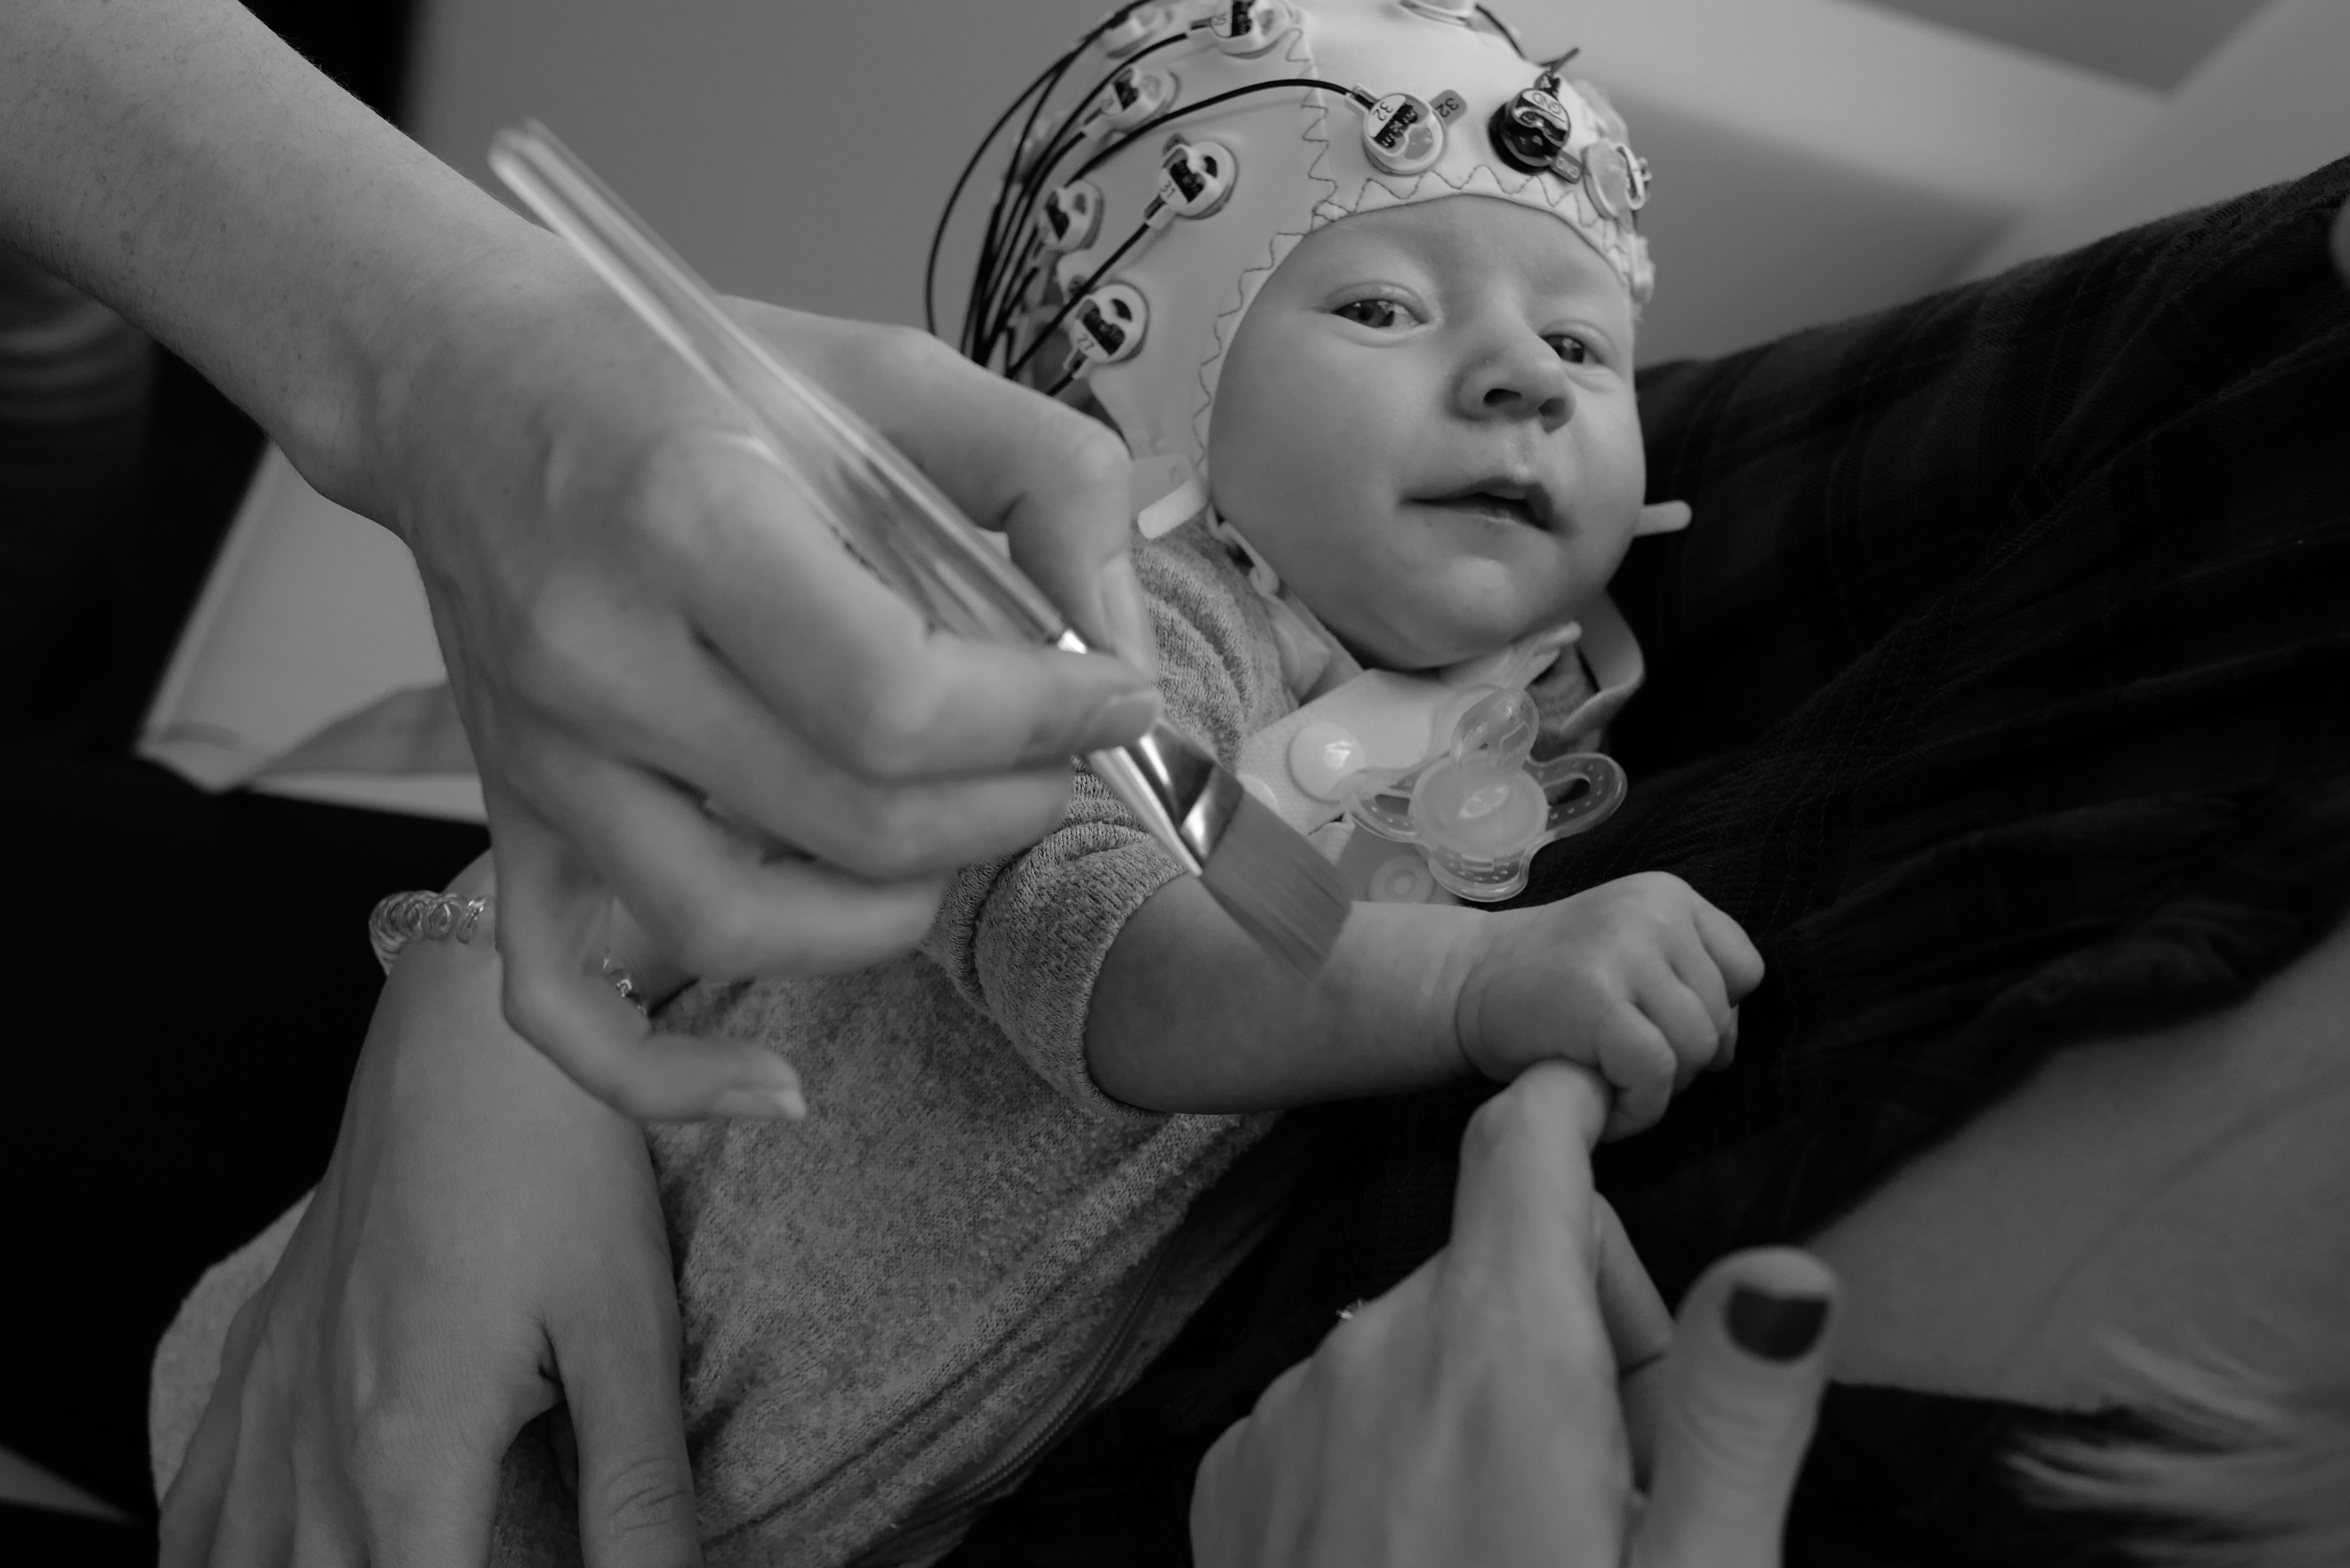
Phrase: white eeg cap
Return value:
(1303, 162)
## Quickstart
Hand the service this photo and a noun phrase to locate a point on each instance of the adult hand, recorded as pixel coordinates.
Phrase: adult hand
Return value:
(668, 666)
(665, 667)
(1474, 1414)
(487, 1238)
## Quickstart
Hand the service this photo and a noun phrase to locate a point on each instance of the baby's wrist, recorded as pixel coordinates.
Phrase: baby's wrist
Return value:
(1469, 969)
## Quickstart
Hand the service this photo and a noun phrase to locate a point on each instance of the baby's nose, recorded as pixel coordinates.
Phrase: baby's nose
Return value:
(1519, 382)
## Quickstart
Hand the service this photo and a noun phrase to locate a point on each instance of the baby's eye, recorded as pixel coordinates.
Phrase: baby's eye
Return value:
(1573, 350)
(1380, 315)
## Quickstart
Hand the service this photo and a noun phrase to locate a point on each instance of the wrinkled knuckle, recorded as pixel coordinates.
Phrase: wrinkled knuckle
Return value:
(380, 1442)
(647, 1497)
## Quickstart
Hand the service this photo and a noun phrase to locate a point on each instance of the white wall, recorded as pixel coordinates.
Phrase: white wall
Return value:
(792, 149)
(2271, 104)
(1816, 159)
(1814, 156)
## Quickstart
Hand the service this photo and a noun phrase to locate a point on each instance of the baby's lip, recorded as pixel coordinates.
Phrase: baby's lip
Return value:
(1528, 499)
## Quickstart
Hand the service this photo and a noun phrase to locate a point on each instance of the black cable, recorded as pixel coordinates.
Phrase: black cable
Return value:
(1001, 228)
(1005, 302)
(1076, 298)
(1504, 28)
(1039, 174)
(1047, 79)
(946, 216)
(1138, 132)
(996, 233)
(1067, 375)
(994, 236)
(1148, 126)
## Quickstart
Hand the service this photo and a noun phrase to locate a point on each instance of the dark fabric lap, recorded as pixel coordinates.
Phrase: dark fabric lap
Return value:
(2001, 691)
(2010, 686)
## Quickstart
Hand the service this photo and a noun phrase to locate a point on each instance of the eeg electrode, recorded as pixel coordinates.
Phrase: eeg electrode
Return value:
(1532, 129)
(1246, 27)
(1072, 216)
(1195, 178)
(1108, 324)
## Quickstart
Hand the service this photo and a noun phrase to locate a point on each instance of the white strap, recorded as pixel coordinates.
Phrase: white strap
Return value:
(1172, 510)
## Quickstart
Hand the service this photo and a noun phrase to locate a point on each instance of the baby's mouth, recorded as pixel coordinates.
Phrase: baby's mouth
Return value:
(1501, 501)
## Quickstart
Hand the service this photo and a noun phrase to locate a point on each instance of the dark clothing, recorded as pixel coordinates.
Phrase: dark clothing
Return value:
(2001, 691)
(189, 982)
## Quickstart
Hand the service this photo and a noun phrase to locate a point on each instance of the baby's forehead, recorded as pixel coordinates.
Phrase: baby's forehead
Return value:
(1470, 241)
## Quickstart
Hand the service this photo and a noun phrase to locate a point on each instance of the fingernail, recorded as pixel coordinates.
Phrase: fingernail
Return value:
(763, 1105)
(1121, 720)
(1125, 615)
(1775, 1328)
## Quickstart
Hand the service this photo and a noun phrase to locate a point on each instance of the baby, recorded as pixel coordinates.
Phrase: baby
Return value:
(1379, 392)
(1393, 417)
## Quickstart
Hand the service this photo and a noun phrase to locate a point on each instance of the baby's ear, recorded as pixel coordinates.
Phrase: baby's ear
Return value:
(1663, 517)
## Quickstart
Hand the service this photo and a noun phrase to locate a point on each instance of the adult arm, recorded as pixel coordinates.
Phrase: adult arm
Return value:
(1473, 1413)
(487, 1240)
(637, 616)
(2203, 1174)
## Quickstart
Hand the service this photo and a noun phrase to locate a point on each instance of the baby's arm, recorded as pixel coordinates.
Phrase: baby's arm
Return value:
(1639, 979)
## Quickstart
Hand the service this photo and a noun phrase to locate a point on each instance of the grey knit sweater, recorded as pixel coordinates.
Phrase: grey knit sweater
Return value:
(888, 1307)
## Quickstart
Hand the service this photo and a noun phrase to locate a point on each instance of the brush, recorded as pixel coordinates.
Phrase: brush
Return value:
(1261, 871)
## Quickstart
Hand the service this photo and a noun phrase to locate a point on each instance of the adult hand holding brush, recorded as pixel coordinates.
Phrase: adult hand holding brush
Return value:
(664, 663)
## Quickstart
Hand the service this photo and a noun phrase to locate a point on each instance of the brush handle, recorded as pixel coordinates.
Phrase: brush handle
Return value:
(881, 505)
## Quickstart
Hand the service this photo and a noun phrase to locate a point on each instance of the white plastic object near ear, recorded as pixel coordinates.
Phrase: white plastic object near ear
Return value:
(1402, 134)
(1108, 324)
(1248, 28)
(1072, 216)
(1195, 179)
(1164, 491)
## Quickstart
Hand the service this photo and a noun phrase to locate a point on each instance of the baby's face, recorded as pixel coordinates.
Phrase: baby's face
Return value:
(1427, 426)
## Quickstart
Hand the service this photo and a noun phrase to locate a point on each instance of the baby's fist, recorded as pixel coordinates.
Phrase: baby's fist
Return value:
(1639, 979)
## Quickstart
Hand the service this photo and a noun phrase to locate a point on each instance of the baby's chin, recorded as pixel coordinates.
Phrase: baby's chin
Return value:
(1434, 629)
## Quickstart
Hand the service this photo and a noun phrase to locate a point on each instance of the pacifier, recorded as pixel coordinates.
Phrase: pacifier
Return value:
(1479, 810)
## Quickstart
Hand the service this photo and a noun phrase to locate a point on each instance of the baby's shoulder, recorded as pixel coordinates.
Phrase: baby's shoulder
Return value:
(1219, 663)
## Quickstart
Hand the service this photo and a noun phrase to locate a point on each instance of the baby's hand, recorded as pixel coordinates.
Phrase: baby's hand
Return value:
(1639, 979)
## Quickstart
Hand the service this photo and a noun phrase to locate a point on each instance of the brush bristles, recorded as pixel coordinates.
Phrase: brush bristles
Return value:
(1269, 879)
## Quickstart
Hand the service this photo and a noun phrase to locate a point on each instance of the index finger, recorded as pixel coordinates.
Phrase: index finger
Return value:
(1051, 480)
(843, 659)
(1524, 1209)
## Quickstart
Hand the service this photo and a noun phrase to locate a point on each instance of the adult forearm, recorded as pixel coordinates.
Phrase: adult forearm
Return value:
(1190, 1014)
(176, 160)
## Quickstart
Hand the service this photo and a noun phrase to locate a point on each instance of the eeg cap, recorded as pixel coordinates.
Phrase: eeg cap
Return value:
(1176, 228)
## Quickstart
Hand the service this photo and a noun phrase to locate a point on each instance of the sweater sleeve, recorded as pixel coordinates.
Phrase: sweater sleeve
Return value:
(1023, 938)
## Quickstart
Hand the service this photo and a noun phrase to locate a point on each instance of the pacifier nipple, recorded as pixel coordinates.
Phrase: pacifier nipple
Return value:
(1481, 802)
